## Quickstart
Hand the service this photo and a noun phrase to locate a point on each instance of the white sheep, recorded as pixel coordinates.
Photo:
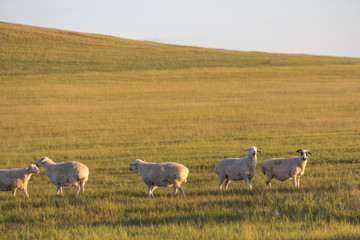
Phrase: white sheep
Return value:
(14, 179)
(236, 169)
(65, 174)
(165, 174)
(284, 169)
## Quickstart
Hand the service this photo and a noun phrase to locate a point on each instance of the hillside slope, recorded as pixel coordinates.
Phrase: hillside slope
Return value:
(70, 96)
(34, 50)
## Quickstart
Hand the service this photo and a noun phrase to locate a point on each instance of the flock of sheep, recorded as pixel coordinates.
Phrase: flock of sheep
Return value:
(60, 174)
(160, 174)
(232, 169)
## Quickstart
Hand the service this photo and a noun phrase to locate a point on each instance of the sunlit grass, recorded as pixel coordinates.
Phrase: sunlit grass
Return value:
(29, 50)
(72, 96)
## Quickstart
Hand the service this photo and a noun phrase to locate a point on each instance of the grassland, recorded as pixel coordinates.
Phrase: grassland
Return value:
(104, 101)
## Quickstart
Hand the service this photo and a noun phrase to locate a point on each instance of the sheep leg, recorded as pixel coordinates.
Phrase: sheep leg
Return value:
(149, 191)
(295, 181)
(298, 181)
(182, 191)
(152, 190)
(82, 187)
(228, 181)
(248, 183)
(25, 192)
(294, 175)
(175, 191)
(59, 190)
(268, 182)
(77, 189)
(76, 185)
(250, 179)
(221, 180)
(14, 192)
(178, 187)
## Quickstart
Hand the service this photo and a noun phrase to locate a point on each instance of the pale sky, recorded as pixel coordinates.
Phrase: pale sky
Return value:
(320, 27)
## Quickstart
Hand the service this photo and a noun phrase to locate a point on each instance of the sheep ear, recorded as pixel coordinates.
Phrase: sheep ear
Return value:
(258, 151)
(308, 151)
(247, 149)
(298, 150)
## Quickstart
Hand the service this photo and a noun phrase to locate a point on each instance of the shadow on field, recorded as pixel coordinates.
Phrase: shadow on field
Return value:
(236, 191)
(197, 219)
(223, 193)
(352, 236)
(329, 188)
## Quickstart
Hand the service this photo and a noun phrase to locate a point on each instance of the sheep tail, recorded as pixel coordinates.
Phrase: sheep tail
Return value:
(80, 179)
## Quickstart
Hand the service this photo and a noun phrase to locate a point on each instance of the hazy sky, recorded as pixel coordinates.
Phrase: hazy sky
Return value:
(321, 27)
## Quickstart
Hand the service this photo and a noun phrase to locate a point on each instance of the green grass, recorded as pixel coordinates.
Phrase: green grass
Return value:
(105, 101)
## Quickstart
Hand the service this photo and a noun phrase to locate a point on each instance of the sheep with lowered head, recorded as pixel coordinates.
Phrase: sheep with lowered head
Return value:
(14, 179)
(65, 174)
(284, 169)
(165, 174)
(236, 169)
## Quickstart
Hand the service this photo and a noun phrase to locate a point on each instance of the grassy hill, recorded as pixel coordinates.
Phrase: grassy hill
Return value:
(33, 50)
(105, 101)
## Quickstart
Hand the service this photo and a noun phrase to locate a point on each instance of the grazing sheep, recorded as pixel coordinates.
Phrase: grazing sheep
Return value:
(236, 169)
(65, 174)
(14, 179)
(284, 169)
(161, 175)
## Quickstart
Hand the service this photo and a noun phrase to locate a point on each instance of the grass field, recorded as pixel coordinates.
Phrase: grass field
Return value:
(105, 101)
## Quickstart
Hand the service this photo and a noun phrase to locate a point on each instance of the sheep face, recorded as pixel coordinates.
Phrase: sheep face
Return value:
(304, 153)
(32, 168)
(135, 164)
(43, 161)
(253, 150)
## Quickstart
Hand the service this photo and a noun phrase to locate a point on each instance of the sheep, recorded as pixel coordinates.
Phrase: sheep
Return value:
(166, 174)
(284, 169)
(65, 174)
(236, 169)
(14, 179)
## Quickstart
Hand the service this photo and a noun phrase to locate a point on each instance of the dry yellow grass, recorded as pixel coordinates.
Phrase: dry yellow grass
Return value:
(105, 101)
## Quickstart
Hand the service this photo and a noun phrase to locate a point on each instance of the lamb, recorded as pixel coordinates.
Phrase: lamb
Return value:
(14, 179)
(284, 169)
(236, 169)
(165, 174)
(65, 174)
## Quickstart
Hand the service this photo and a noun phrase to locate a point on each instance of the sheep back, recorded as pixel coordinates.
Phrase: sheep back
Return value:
(6, 180)
(281, 168)
(65, 173)
(13, 179)
(164, 174)
(233, 168)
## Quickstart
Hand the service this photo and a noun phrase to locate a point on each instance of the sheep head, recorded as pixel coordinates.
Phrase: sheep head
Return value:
(253, 150)
(135, 164)
(43, 161)
(304, 153)
(32, 168)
